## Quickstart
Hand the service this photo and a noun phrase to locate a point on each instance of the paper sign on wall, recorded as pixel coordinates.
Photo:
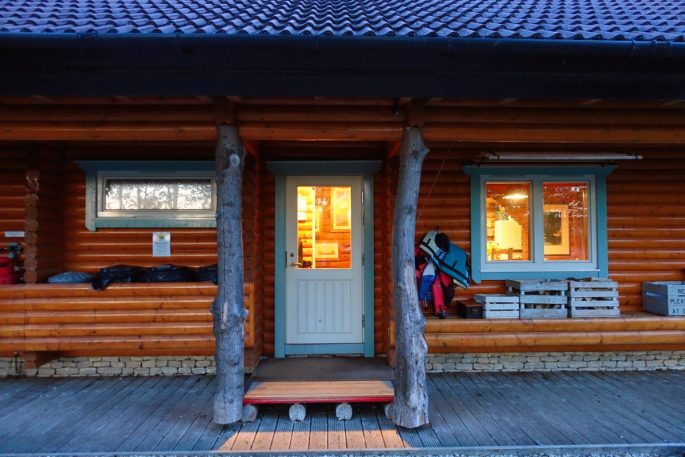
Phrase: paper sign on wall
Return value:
(161, 244)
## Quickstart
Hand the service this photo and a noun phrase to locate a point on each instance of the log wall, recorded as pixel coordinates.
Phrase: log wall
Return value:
(44, 252)
(646, 238)
(125, 319)
(14, 161)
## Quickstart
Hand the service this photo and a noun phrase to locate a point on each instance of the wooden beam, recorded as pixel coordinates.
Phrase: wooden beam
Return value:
(501, 133)
(321, 132)
(64, 131)
(227, 310)
(410, 407)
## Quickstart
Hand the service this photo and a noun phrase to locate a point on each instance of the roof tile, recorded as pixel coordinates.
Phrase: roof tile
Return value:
(643, 20)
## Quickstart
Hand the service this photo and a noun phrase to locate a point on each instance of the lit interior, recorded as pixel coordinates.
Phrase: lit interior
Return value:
(324, 227)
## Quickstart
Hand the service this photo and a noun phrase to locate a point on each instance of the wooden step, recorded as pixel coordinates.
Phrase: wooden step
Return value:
(285, 392)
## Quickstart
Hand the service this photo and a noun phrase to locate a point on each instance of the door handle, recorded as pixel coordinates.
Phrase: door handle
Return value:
(294, 264)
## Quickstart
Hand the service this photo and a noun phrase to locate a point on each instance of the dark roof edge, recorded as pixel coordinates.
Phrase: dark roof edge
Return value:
(278, 65)
(449, 44)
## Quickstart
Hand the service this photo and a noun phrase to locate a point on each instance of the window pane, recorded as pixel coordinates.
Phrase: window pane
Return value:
(158, 194)
(566, 221)
(507, 220)
(324, 227)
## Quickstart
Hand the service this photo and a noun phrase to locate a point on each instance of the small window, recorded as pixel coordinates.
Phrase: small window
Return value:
(150, 194)
(545, 222)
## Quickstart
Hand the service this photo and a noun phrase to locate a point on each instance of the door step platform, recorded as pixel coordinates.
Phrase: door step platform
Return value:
(298, 394)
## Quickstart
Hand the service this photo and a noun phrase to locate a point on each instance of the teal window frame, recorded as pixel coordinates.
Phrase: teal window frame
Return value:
(598, 266)
(99, 170)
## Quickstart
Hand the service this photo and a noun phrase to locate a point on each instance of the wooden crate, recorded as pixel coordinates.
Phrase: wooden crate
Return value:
(593, 298)
(540, 299)
(469, 309)
(498, 306)
(664, 297)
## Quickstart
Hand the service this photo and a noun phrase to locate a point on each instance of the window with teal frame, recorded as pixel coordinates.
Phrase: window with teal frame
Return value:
(154, 194)
(538, 221)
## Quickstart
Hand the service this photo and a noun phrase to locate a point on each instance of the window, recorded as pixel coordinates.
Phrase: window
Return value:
(149, 194)
(545, 222)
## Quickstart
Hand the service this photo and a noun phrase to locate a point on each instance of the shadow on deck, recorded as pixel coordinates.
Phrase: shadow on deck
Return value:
(467, 410)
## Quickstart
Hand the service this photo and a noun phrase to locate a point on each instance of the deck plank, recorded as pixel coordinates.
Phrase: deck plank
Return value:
(318, 434)
(336, 432)
(531, 407)
(60, 397)
(174, 420)
(653, 422)
(499, 414)
(117, 431)
(455, 400)
(176, 392)
(557, 407)
(447, 424)
(283, 432)
(619, 419)
(471, 398)
(174, 415)
(354, 435)
(391, 437)
(299, 441)
(69, 423)
(267, 418)
(201, 422)
(501, 402)
(373, 438)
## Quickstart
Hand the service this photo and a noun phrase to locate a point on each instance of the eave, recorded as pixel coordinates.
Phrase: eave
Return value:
(333, 66)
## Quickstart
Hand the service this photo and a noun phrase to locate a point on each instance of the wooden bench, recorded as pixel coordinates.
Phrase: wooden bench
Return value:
(634, 331)
(125, 319)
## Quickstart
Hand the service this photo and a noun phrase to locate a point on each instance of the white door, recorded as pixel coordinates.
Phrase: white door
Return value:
(323, 230)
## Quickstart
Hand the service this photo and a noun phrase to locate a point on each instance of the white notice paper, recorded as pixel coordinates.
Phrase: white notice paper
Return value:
(161, 244)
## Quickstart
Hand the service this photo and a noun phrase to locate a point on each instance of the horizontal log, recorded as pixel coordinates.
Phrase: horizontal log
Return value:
(493, 326)
(171, 289)
(330, 132)
(67, 330)
(79, 131)
(100, 316)
(550, 134)
(554, 116)
(450, 341)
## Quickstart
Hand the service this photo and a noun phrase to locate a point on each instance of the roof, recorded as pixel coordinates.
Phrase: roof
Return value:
(614, 20)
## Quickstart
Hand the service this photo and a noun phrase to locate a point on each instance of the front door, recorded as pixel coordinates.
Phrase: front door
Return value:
(323, 277)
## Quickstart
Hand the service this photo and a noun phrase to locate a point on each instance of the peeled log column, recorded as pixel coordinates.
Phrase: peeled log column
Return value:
(228, 311)
(410, 406)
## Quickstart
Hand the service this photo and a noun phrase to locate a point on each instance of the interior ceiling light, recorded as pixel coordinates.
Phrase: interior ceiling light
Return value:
(560, 157)
(515, 196)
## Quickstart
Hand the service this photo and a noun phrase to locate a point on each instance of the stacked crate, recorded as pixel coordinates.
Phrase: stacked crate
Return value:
(540, 299)
(593, 298)
(498, 306)
(664, 297)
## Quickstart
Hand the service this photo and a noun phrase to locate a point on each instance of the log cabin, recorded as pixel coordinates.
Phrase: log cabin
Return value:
(534, 114)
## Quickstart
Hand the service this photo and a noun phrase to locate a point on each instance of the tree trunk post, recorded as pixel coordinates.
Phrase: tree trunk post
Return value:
(228, 311)
(410, 406)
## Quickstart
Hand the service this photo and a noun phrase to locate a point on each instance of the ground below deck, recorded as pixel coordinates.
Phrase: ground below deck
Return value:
(174, 414)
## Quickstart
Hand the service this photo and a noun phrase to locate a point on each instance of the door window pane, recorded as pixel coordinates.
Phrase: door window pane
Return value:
(507, 221)
(324, 227)
(566, 221)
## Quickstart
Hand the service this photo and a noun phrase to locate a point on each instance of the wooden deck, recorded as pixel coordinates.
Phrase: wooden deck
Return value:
(174, 414)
